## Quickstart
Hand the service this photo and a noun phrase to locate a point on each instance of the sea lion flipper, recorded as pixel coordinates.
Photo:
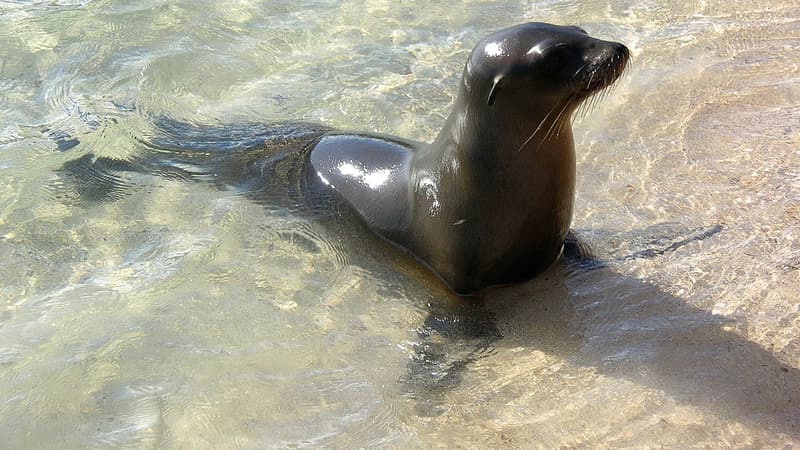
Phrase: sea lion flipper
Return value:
(667, 237)
(372, 174)
(649, 242)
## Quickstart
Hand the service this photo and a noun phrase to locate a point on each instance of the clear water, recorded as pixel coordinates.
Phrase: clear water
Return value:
(179, 315)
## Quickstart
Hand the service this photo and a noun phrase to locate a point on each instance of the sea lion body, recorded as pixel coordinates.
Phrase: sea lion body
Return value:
(488, 225)
(490, 200)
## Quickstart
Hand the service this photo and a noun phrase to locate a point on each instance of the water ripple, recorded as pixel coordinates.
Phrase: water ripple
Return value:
(132, 416)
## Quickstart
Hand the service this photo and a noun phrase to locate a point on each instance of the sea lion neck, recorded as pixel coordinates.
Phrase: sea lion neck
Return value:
(483, 135)
(487, 170)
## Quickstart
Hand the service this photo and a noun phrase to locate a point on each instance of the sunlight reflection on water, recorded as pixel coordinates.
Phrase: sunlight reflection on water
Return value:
(175, 314)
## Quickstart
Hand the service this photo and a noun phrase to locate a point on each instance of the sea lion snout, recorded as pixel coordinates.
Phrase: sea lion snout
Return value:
(604, 63)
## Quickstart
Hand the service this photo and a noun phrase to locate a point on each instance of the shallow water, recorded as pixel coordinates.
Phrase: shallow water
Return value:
(174, 314)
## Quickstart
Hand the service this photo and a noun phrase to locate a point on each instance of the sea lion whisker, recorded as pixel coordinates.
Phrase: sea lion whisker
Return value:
(541, 123)
(577, 77)
(609, 82)
(591, 78)
(580, 69)
(553, 125)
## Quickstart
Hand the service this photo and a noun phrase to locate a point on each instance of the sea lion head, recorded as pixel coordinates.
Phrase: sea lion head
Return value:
(541, 63)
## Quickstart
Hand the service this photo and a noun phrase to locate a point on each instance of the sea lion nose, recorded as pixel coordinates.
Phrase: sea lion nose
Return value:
(606, 50)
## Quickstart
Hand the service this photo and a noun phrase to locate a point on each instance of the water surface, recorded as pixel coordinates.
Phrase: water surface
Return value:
(174, 314)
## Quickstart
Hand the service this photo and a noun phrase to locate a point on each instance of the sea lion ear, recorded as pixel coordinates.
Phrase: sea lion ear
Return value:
(494, 89)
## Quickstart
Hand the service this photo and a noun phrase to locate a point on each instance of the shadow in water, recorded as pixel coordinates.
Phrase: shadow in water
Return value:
(453, 336)
(623, 328)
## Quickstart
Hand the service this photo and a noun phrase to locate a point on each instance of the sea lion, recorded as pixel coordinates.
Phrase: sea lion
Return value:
(489, 202)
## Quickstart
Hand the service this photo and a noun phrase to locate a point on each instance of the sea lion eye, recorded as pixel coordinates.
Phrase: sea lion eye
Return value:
(559, 55)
